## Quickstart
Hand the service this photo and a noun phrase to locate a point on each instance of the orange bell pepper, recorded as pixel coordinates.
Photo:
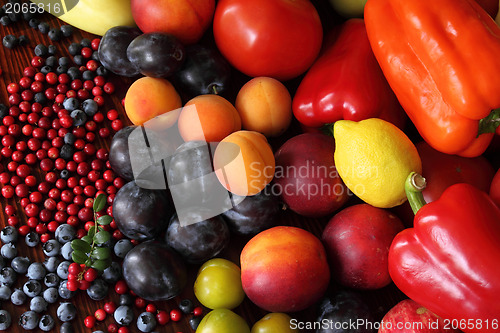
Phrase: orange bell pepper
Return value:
(441, 59)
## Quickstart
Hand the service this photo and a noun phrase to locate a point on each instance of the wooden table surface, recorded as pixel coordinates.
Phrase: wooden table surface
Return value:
(12, 63)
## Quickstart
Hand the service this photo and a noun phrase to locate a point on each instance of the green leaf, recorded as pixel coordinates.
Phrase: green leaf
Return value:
(102, 237)
(79, 257)
(104, 220)
(91, 232)
(101, 265)
(89, 262)
(99, 202)
(101, 253)
(80, 245)
(87, 239)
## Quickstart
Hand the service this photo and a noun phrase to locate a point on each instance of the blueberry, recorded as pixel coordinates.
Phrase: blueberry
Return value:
(46, 69)
(95, 56)
(62, 269)
(98, 290)
(51, 280)
(36, 271)
(5, 20)
(66, 153)
(32, 288)
(41, 50)
(88, 75)
(10, 41)
(186, 306)
(28, 16)
(50, 295)
(122, 247)
(14, 17)
(43, 27)
(124, 315)
(194, 322)
(9, 234)
(8, 251)
(65, 233)
(66, 328)
(40, 98)
(90, 107)
(38, 304)
(64, 61)
(7, 276)
(74, 48)
(33, 23)
(51, 264)
(20, 264)
(5, 320)
(85, 42)
(52, 247)
(5, 292)
(46, 323)
(18, 297)
(71, 104)
(32, 239)
(66, 311)
(79, 117)
(55, 34)
(29, 320)
(66, 30)
(61, 69)
(23, 40)
(102, 71)
(146, 322)
(2, 262)
(113, 273)
(52, 49)
(74, 72)
(4, 111)
(69, 138)
(63, 290)
(67, 251)
(51, 61)
(126, 299)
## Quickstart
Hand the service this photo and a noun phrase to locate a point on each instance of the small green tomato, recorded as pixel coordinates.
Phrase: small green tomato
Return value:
(218, 284)
(222, 321)
(274, 323)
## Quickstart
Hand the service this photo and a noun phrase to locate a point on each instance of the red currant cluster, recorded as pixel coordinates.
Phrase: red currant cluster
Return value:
(38, 133)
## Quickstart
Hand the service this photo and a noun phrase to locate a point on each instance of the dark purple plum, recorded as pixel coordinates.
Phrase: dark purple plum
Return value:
(141, 213)
(253, 214)
(154, 271)
(156, 54)
(200, 240)
(113, 50)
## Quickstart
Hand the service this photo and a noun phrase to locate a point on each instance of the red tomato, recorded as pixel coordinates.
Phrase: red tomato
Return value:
(276, 38)
(495, 188)
(442, 170)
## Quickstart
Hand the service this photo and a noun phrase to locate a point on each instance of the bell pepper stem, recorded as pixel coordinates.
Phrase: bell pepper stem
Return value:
(489, 123)
(414, 185)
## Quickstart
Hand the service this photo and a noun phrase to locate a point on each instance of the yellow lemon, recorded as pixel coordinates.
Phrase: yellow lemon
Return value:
(373, 157)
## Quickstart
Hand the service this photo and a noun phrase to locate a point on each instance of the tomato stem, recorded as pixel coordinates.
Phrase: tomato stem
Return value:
(414, 185)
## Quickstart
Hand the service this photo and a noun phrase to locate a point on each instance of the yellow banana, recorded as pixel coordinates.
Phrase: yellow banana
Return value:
(94, 16)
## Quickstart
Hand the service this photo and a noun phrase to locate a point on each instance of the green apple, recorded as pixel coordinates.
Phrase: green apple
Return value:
(222, 321)
(349, 8)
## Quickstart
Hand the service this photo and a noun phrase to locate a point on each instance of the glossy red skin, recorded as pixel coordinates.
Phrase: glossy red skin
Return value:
(284, 269)
(310, 156)
(449, 261)
(495, 188)
(357, 241)
(185, 19)
(346, 82)
(407, 311)
(443, 170)
(276, 38)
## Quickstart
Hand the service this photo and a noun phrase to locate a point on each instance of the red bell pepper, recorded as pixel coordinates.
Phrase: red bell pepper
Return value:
(441, 59)
(449, 261)
(346, 82)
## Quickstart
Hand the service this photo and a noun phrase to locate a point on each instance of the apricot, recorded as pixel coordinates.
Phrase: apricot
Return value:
(244, 162)
(149, 97)
(208, 118)
(265, 106)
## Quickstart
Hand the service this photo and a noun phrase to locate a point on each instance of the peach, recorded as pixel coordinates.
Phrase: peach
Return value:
(244, 163)
(185, 19)
(265, 106)
(149, 97)
(208, 118)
